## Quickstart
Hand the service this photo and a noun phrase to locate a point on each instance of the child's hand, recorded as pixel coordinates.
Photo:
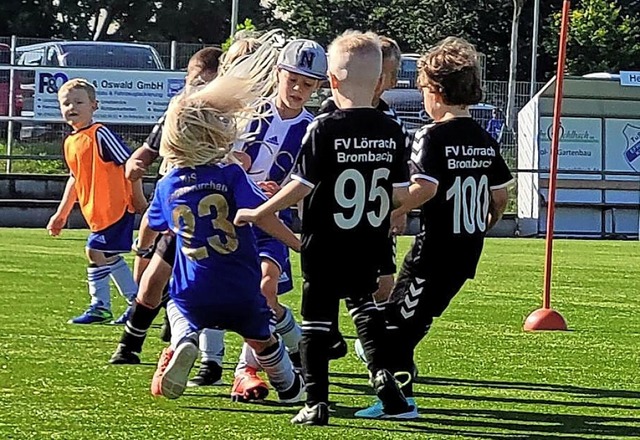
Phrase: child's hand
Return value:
(398, 223)
(134, 169)
(269, 187)
(245, 216)
(56, 224)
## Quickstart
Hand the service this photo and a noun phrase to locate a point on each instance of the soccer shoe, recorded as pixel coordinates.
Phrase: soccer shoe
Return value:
(210, 373)
(92, 316)
(376, 411)
(295, 393)
(122, 320)
(315, 415)
(123, 356)
(338, 349)
(176, 375)
(163, 362)
(247, 386)
(388, 391)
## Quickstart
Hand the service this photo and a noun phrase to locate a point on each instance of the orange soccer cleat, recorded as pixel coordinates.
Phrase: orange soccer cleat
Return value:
(248, 386)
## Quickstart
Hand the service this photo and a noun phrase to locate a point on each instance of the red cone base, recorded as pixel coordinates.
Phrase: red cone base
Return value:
(545, 319)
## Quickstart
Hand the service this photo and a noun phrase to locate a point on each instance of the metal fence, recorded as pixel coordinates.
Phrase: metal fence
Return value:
(32, 145)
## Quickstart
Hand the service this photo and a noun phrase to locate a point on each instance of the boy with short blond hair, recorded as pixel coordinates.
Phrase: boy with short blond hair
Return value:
(391, 56)
(346, 174)
(96, 157)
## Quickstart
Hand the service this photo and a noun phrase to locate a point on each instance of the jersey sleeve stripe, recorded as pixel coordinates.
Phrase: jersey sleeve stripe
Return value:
(502, 185)
(113, 145)
(302, 180)
(401, 184)
(424, 177)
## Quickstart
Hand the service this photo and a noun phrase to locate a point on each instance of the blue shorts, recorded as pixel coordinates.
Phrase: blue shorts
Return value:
(115, 239)
(251, 319)
(278, 252)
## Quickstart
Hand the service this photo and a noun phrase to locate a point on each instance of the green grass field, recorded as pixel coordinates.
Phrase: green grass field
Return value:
(482, 377)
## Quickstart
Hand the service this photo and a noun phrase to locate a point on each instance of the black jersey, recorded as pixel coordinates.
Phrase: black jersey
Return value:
(465, 162)
(329, 105)
(349, 158)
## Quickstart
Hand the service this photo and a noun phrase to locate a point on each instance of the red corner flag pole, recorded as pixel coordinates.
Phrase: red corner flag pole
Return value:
(546, 318)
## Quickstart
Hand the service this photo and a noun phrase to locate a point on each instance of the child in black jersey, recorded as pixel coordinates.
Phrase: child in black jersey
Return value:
(459, 182)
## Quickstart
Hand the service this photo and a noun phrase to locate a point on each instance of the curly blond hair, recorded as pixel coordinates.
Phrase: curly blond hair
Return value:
(203, 122)
(452, 69)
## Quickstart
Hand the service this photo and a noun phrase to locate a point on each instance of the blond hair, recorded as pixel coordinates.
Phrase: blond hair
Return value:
(355, 58)
(202, 124)
(452, 69)
(79, 84)
(390, 49)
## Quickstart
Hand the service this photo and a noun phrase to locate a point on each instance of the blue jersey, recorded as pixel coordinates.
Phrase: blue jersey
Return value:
(217, 262)
(274, 145)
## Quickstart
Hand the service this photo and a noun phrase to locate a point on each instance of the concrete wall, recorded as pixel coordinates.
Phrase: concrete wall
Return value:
(28, 200)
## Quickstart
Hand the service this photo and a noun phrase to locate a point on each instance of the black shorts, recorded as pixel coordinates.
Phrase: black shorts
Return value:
(321, 296)
(165, 247)
(421, 290)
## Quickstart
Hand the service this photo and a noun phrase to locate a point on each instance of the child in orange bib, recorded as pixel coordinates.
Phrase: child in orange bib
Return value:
(96, 157)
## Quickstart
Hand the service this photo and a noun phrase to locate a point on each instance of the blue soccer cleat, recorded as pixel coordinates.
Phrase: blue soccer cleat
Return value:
(93, 315)
(122, 320)
(376, 411)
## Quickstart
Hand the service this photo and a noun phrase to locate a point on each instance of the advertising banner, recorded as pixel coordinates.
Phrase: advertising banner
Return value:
(123, 96)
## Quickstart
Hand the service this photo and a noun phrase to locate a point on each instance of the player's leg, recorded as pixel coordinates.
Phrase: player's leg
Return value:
(247, 384)
(370, 327)
(152, 291)
(320, 306)
(277, 280)
(256, 328)
(102, 252)
(211, 345)
(99, 310)
(172, 374)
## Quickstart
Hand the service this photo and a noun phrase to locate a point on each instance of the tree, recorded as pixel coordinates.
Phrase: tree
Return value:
(603, 37)
(27, 18)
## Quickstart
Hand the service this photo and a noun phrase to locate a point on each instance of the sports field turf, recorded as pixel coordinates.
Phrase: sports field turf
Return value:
(481, 376)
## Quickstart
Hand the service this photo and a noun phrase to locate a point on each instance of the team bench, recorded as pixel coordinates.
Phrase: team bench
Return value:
(604, 206)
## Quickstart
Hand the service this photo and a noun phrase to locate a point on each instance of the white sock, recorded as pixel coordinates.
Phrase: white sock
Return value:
(289, 331)
(277, 365)
(179, 325)
(247, 359)
(212, 345)
(123, 279)
(99, 290)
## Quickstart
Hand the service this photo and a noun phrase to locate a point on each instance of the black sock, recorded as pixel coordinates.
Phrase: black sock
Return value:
(314, 351)
(136, 327)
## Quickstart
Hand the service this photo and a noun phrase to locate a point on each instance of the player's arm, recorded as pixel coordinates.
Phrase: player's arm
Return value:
(500, 178)
(59, 219)
(144, 156)
(139, 162)
(139, 200)
(415, 195)
(273, 226)
(288, 196)
(499, 199)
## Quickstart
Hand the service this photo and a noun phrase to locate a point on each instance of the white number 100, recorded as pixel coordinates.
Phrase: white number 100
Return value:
(470, 204)
(358, 201)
